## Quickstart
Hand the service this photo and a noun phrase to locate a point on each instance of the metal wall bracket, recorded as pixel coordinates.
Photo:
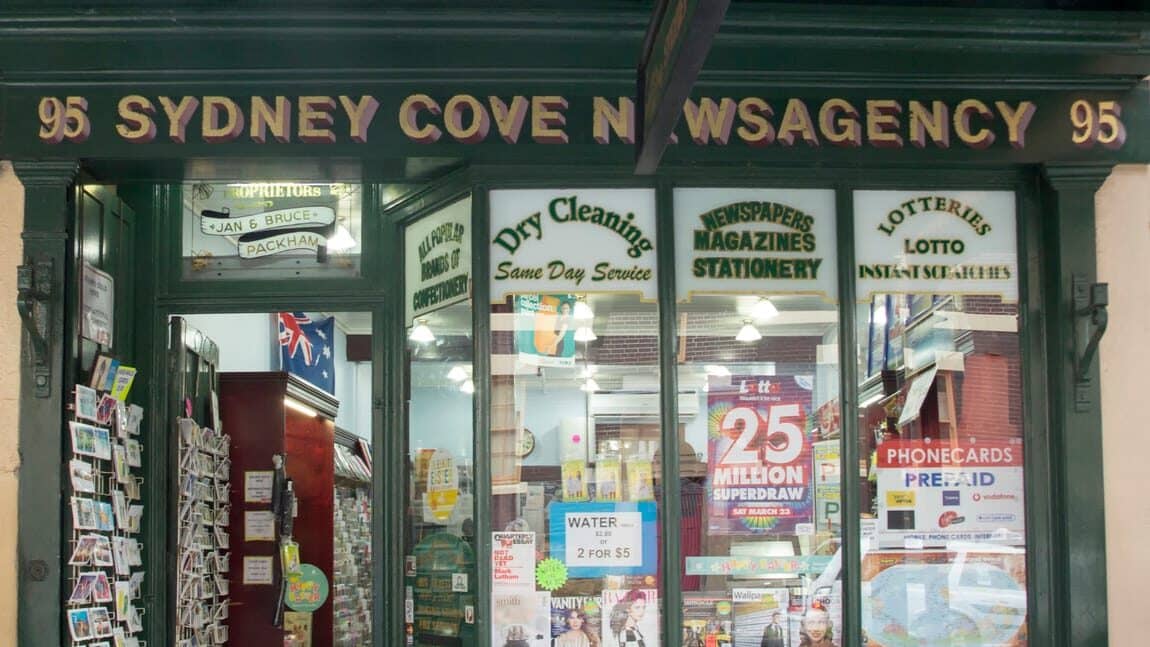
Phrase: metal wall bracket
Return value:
(34, 302)
(1090, 320)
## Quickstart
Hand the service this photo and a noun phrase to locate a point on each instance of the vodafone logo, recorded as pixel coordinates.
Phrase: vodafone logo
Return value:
(995, 496)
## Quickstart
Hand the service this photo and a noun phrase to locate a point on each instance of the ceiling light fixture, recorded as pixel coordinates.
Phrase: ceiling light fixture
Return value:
(590, 385)
(457, 374)
(421, 334)
(341, 241)
(764, 310)
(467, 387)
(717, 370)
(748, 332)
(583, 312)
(584, 333)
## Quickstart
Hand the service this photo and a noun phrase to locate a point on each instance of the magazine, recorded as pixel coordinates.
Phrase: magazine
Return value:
(630, 617)
(761, 617)
(707, 619)
(576, 621)
(521, 618)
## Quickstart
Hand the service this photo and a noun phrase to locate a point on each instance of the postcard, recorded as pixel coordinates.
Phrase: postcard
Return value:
(121, 419)
(106, 409)
(88, 440)
(101, 622)
(82, 553)
(135, 416)
(102, 553)
(82, 591)
(84, 514)
(120, 462)
(135, 458)
(122, 382)
(105, 518)
(120, 554)
(101, 589)
(135, 514)
(100, 369)
(120, 506)
(123, 600)
(86, 401)
(83, 476)
(79, 624)
(135, 584)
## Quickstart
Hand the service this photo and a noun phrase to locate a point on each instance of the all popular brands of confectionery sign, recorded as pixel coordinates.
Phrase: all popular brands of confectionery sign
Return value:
(931, 242)
(755, 241)
(438, 262)
(578, 240)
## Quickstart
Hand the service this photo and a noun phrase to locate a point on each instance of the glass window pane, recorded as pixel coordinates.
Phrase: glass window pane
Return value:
(759, 430)
(940, 419)
(270, 230)
(575, 419)
(439, 530)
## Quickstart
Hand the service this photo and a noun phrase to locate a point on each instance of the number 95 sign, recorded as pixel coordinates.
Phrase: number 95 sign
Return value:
(759, 459)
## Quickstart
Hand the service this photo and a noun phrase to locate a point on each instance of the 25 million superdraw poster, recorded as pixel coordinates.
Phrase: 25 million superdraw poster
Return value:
(759, 456)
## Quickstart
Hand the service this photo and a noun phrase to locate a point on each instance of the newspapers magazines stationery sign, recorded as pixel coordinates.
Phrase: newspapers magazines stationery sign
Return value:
(437, 259)
(759, 456)
(755, 241)
(937, 492)
(572, 241)
(936, 242)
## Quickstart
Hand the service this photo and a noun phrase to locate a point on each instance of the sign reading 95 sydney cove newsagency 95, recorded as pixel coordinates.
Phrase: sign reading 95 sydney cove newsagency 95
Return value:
(936, 242)
(751, 241)
(437, 252)
(572, 240)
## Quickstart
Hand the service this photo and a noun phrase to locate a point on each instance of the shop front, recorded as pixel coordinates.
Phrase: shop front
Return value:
(372, 335)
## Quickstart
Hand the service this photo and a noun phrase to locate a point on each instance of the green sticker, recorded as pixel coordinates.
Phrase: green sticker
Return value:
(550, 574)
(306, 591)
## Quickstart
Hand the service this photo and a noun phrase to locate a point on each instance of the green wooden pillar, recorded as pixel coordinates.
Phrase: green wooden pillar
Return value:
(1078, 524)
(42, 297)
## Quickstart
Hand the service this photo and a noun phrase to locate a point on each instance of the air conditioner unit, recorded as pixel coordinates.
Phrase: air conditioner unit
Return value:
(639, 405)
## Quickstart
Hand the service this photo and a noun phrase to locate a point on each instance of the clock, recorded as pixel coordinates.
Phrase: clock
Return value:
(526, 444)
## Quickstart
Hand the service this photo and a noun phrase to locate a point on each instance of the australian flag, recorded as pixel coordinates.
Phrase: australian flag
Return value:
(307, 348)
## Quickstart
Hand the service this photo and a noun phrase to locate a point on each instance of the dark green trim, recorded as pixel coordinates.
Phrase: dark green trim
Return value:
(481, 374)
(1079, 529)
(848, 415)
(389, 418)
(669, 401)
(1040, 485)
(40, 542)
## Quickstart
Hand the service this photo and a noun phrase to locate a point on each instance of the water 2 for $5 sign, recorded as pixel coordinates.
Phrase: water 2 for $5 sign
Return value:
(573, 240)
(759, 457)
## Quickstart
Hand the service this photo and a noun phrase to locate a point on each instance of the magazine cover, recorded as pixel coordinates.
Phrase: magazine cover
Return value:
(707, 619)
(576, 621)
(521, 619)
(981, 598)
(815, 618)
(630, 618)
(545, 329)
(574, 474)
(608, 474)
(761, 617)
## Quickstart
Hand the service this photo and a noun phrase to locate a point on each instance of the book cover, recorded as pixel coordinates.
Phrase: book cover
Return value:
(576, 621)
(630, 617)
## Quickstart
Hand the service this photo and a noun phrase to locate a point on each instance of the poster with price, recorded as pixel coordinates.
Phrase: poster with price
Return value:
(599, 539)
(759, 460)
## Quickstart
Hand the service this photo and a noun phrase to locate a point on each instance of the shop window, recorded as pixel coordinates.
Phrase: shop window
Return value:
(439, 528)
(759, 417)
(270, 230)
(575, 419)
(940, 420)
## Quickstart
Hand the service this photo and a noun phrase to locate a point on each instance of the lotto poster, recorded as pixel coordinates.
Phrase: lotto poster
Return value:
(759, 461)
